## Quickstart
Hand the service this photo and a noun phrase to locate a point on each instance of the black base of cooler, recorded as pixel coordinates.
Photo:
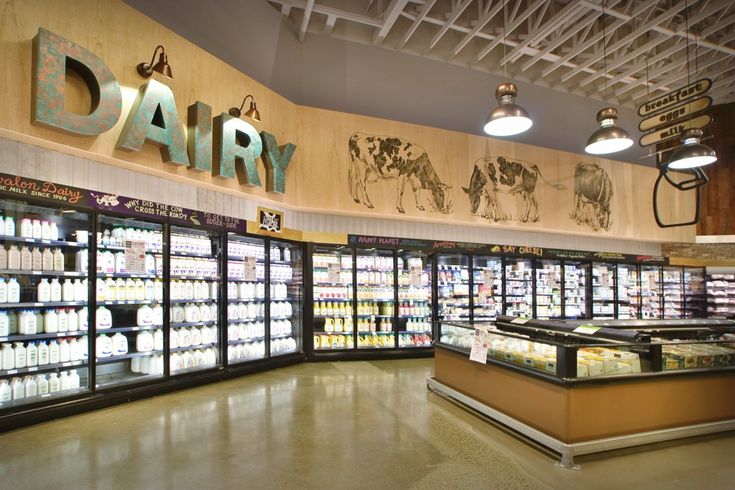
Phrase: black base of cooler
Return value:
(87, 402)
(370, 354)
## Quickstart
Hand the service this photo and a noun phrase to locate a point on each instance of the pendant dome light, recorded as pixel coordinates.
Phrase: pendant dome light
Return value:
(692, 153)
(609, 138)
(508, 118)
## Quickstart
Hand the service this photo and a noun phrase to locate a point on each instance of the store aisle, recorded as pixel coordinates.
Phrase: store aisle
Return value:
(368, 425)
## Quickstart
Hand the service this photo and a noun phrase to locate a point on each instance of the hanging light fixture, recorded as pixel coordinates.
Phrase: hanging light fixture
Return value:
(692, 153)
(609, 138)
(508, 118)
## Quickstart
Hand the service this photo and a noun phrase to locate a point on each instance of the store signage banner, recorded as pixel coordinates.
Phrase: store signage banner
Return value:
(675, 97)
(22, 187)
(270, 220)
(675, 114)
(674, 131)
(224, 146)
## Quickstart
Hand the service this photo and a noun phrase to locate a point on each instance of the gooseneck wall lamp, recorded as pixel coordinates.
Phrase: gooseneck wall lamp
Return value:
(252, 112)
(146, 69)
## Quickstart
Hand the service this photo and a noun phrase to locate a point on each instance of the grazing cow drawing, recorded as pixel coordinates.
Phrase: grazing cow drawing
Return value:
(494, 175)
(383, 158)
(593, 191)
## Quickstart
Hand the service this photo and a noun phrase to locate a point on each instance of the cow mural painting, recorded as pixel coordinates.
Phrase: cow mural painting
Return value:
(593, 191)
(376, 158)
(494, 176)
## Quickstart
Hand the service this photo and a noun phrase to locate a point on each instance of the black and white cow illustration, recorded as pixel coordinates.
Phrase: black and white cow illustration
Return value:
(494, 175)
(383, 158)
(593, 192)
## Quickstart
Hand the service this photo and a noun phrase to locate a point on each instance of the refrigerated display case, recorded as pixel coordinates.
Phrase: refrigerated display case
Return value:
(673, 293)
(375, 308)
(519, 287)
(286, 301)
(333, 298)
(129, 285)
(453, 287)
(651, 293)
(246, 326)
(415, 317)
(44, 297)
(628, 301)
(603, 290)
(695, 305)
(487, 287)
(195, 290)
(548, 289)
(721, 294)
(575, 290)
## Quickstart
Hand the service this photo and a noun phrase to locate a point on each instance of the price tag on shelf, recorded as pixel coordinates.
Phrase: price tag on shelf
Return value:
(333, 272)
(480, 343)
(520, 320)
(134, 256)
(586, 329)
(251, 268)
(416, 276)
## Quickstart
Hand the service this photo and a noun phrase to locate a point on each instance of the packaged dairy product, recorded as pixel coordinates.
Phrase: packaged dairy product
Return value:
(103, 346)
(42, 384)
(48, 260)
(53, 352)
(14, 258)
(55, 289)
(3, 291)
(67, 290)
(54, 231)
(58, 260)
(31, 355)
(145, 316)
(44, 291)
(51, 321)
(20, 355)
(45, 230)
(104, 318)
(26, 259)
(43, 354)
(36, 259)
(9, 226)
(7, 355)
(53, 383)
(64, 351)
(13, 291)
(19, 389)
(6, 392)
(119, 344)
(73, 321)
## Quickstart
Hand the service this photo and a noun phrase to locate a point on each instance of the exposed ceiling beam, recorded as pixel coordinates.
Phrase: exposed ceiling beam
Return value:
(680, 74)
(641, 67)
(514, 24)
(417, 21)
(389, 18)
(329, 25)
(338, 13)
(448, 24)
(481, 23)
(305, 19)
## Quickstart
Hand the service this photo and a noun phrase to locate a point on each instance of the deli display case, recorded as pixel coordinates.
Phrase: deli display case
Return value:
(487, 287)
(572, 369)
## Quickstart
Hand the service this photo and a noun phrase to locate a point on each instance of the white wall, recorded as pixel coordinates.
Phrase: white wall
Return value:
(43, 164)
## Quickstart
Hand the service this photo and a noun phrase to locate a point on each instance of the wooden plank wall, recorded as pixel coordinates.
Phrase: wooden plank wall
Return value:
(718, 197)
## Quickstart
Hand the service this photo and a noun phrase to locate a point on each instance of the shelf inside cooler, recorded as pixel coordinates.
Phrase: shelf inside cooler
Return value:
(49, 304)
(194, 278)
(40, 241)
(125, 275)
(41, 336)
(18, 272)
(176, 301)
(42, 369)
(124, 357)
(194, 347)
(129, 302)
(130, 329)
(192, 324)
(175, 253)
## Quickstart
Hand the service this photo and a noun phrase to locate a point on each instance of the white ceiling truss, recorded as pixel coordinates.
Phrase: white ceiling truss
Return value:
(552, 43)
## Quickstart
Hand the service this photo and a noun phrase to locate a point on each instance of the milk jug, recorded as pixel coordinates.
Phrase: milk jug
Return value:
(31, 354)
(150, 264)
(73, 379)
(111, 287)
(158, 339)
(184, 337)
(44, 291)
(13, 291)
(51, 321)
(53, 352)
(119, 344)
(139, 290)
(9, 226)
(55, 289)
(26, 228)
(83, 316)
(120, 263)
(144, 342)
(30, 386)
(58, 260)
(26, 259)
(4, 324)
(19, 390)
(82, 261)
(42, 383)
(20, 355)
(3, 257)
(63, 321)
(104, 346)
(64, 351)
(104, 318)
(73, 321)
(101, 293)
(80, 290)
(75, 350)
(108, 262)
(158, 315)
(36, 259)
(43, 358)
(158, 287)
(3, 291)
(53, 383)
(130, 289)
(121, 290)
(14, 258)
(64, 382)
(8, 357)
(45, 230)
(48, 260)
(54, 231)
(6, 392)
(144, 316)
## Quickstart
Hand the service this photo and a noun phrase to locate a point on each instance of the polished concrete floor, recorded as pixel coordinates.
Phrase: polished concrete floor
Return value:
(362, 425)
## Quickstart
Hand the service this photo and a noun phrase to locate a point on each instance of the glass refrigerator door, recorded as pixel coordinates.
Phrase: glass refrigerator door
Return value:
(575, 290)
(651, 289)
(286, 297)
(519, 288)
(333, 298)
(673, 287)
(548, 289)
(195, 286)
(129, 316)
(487, 288)
(453, 285)
(414, 299)
(375, 299)
(245, 298)
(628, 292)
(603, 290)
(694, 293)
(43, 303)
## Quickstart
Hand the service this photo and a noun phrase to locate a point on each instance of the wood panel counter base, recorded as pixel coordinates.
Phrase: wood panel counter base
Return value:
(588, 418)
